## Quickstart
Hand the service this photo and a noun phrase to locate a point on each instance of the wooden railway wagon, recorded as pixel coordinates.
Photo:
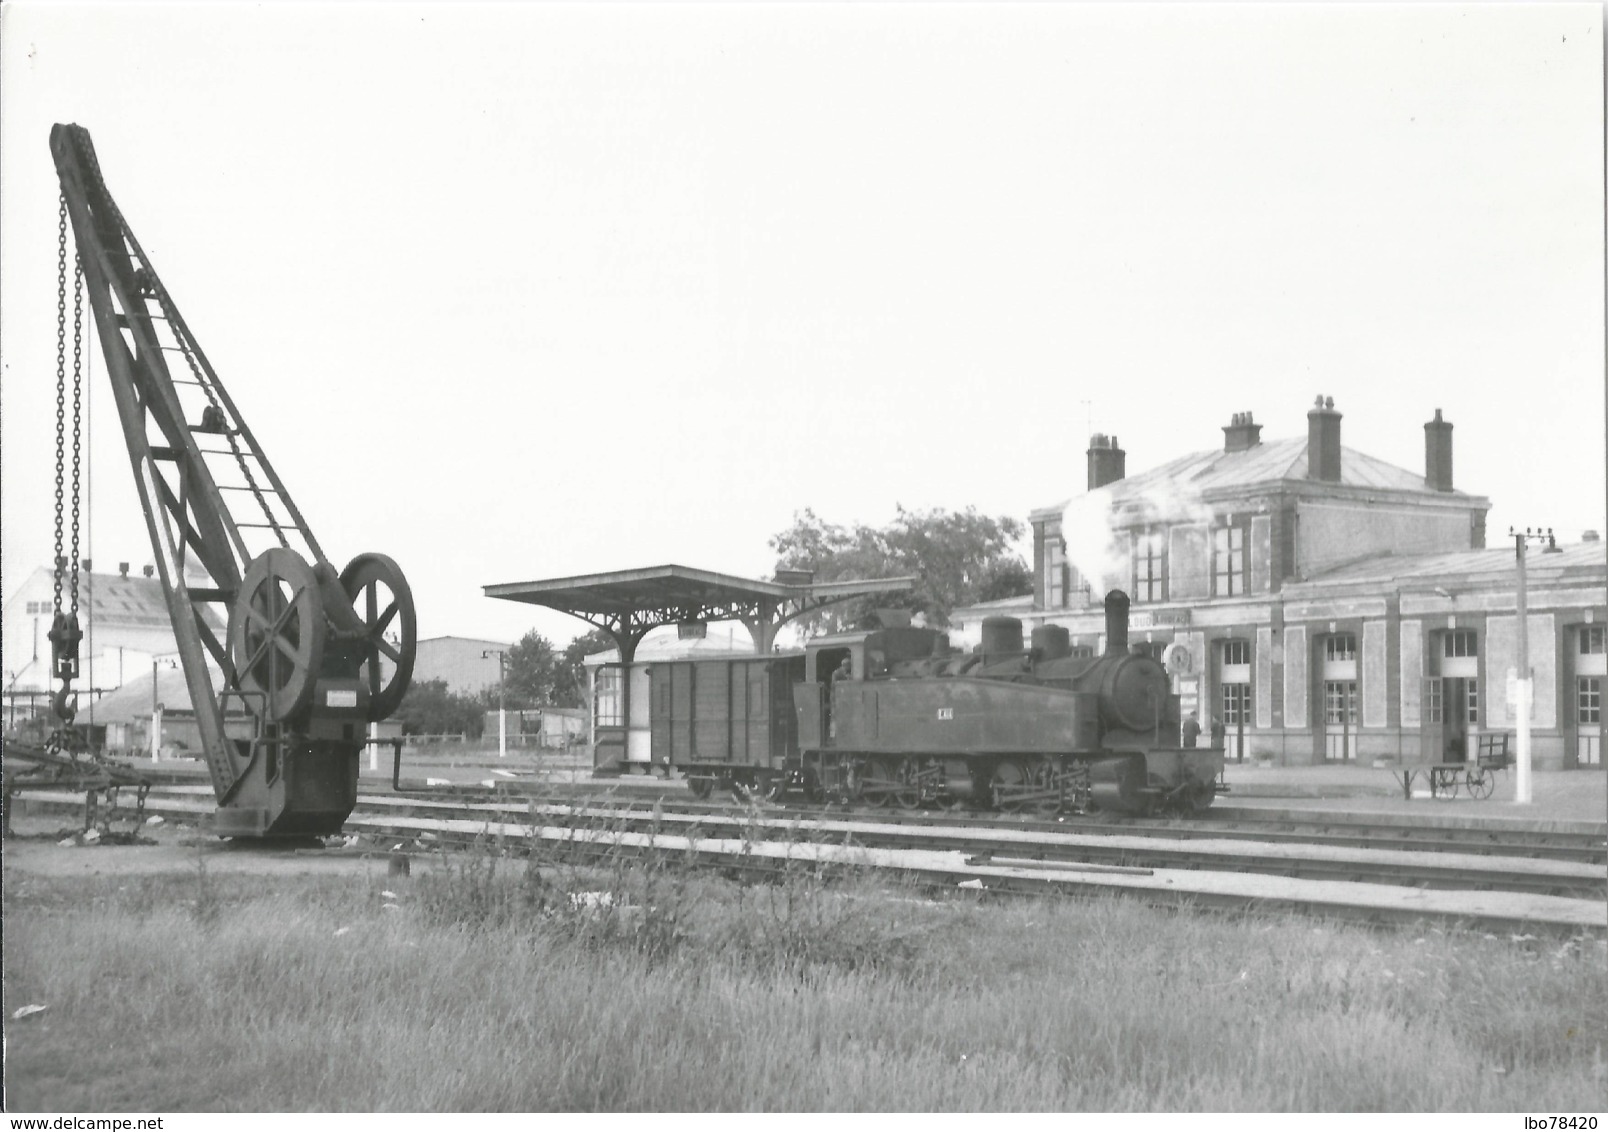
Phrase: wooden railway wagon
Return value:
(894, 716)
(729, 720)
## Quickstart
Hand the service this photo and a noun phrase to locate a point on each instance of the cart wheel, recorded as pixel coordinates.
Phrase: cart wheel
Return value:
(1443, 787)
(1480, 784)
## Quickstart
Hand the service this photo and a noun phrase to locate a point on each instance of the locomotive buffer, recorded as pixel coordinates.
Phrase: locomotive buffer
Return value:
(312, 655)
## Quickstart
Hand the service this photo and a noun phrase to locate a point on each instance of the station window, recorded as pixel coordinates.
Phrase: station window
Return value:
(1434, 709)
(1150, 567)
(1473, 687)
(1228, 561)
(1054, 574)
(1082, 652)
(1459, 642)
(1340, 646)
(1588, 698)
(1152, 649)
(1593, 639)
(1236, 652)
(606, 709)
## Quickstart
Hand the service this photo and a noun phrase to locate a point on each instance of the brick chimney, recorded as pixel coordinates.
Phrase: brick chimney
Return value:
(1106, 460)
(1438, 454)
(1241, 433)
(1323, 441)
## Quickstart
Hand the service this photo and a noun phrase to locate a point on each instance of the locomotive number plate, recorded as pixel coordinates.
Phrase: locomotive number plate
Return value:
(946, 713)
(335, 698)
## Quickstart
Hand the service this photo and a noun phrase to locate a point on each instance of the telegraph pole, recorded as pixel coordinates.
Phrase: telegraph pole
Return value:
(1525, 685)
(502, 715)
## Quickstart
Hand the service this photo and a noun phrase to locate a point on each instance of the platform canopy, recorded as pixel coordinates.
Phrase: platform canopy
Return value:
(628, 604)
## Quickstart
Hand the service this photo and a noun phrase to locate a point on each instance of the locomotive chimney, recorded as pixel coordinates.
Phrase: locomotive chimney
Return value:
(1241, 433)
(1116, 605)
(1323, 441)
(1106, 460)
(1438, 454)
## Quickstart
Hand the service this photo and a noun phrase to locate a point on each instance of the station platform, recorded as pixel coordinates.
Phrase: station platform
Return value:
(1556, 795)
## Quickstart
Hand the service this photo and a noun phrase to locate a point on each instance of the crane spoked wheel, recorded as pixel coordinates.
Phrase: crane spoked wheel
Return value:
(276, 634)
(383, 601)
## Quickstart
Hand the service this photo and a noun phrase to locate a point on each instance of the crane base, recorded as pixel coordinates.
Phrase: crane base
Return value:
(308, 792)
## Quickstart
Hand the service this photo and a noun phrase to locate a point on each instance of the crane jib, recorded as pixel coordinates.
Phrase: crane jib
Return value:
(287, 661)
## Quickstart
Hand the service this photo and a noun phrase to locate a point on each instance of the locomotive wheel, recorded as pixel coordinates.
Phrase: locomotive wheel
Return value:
(1198, 798)
(814, 792)
(383, 601)
(276, 634)
(880, 772)
(1042, 779)
(907, 794)
(1007, 784)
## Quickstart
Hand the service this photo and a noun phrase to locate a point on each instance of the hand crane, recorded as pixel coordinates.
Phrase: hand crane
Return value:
(311, 656)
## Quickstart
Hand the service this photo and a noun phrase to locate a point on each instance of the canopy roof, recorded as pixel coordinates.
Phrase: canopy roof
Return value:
(629, 603)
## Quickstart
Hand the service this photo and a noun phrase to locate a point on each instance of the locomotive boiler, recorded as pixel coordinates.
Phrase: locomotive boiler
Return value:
(898, 717)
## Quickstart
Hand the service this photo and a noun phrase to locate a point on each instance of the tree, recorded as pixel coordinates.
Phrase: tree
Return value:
(958, 558)
(537, 675)
(429, 708)
(530, 672)
(570, 689)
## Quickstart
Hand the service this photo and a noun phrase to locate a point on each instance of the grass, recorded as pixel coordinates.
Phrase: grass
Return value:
(484, 983)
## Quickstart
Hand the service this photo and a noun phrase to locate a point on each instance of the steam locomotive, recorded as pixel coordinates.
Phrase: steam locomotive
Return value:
(897, 717)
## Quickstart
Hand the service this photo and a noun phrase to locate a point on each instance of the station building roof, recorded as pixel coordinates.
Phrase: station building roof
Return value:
(1217, 472)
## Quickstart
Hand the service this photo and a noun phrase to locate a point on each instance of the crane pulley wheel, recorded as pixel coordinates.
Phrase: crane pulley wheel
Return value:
(383, 601)
(276, 634)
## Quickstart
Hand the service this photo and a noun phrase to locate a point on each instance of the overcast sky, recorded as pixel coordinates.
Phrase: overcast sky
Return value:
(515, 292)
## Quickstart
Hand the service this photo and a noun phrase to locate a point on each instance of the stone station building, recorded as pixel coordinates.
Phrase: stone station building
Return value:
(1326, 606)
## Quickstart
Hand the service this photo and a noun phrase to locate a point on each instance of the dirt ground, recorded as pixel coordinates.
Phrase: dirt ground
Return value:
(35, 851)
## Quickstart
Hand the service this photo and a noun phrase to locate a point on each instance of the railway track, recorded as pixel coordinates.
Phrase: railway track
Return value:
(1376, 885)
(1579, 842)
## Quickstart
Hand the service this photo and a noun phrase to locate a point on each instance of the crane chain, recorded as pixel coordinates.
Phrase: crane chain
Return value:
(61, 385)
(78, 396)
(64, 631)
(181, 336)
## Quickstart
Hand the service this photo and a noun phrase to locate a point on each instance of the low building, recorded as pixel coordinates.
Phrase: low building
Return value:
(126, 627)
(1324, 605)
(468, 665)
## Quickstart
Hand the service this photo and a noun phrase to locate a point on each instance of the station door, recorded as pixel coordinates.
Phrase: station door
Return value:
(1340, 720)
(1591, 666)
(1236, 717)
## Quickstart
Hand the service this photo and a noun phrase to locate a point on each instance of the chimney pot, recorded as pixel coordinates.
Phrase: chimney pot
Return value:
(1241, 433)
(149, 570)
(122, 569)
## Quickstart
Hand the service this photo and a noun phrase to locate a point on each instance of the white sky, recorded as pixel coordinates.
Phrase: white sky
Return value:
(513, 292)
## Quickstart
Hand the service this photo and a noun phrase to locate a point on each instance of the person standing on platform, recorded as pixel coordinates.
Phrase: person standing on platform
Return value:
(1191, 730)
